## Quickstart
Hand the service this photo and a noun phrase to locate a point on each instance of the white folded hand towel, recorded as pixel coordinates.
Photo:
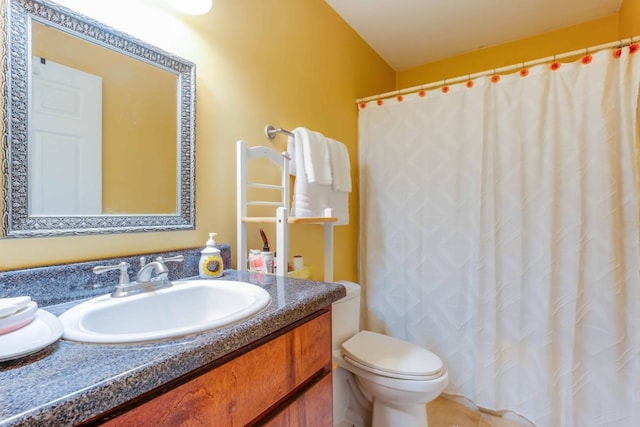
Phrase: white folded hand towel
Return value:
(312, 198)
(315, 153)
(340, 165)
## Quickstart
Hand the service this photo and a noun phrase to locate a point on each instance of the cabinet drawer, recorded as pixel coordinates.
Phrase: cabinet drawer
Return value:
(314, 408)
(242, 389)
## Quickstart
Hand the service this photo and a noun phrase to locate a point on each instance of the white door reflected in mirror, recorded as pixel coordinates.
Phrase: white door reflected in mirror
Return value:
(65, 150)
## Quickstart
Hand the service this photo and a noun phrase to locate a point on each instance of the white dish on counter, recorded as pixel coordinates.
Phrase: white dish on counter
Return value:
(8, 306)
(44, 330)
(19, 319)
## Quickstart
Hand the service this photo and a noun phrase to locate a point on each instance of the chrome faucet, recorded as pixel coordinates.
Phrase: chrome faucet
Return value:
(145, 280)
(159, 267)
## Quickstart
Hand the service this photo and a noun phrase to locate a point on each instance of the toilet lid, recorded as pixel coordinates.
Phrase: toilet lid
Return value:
(384, 354)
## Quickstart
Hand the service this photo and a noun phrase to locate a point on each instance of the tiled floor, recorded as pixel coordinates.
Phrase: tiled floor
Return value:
(444, 412)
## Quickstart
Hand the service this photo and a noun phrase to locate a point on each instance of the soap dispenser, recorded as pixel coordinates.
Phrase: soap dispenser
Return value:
(210, 265)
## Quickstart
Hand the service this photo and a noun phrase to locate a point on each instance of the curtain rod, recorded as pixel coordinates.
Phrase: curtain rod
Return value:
(513, 67)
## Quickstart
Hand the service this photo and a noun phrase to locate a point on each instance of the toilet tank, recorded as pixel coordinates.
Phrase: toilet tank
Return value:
(345, 315)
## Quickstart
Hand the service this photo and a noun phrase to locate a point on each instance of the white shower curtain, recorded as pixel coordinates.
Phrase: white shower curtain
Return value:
(499, 229)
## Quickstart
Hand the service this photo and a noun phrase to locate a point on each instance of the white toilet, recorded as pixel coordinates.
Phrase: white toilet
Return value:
(394, 379)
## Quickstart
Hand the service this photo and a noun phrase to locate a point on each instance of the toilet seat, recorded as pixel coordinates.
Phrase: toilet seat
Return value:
(391, 357)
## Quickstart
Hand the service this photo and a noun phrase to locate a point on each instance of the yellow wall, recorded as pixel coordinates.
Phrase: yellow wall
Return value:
(624, 24)
(138, 121)
(629, 19)
(568, 39)
(288, 63)
(283, 62)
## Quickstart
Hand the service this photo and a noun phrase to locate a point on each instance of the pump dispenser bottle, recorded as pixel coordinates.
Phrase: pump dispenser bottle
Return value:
(210, 265)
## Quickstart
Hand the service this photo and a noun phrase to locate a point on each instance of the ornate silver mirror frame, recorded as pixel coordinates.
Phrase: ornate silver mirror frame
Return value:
(15, 218)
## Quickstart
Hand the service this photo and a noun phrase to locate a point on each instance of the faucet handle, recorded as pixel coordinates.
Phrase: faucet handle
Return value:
(123, 267)
(177, 258)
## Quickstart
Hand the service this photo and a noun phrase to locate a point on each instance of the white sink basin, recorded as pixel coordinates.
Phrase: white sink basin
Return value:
(186, 308)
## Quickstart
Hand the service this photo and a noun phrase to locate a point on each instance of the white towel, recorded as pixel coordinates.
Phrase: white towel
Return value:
(340, 166)
(315, 152)
(311, 198)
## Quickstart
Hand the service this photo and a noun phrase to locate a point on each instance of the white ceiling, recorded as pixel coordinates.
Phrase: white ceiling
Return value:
(408, 33)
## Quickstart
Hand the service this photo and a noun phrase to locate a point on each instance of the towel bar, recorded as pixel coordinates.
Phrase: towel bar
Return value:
(271, 132)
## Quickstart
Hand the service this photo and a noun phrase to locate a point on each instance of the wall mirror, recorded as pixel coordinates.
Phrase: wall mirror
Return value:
(99, 128)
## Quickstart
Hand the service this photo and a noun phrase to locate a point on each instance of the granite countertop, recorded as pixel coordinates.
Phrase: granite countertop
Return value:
(68, 382)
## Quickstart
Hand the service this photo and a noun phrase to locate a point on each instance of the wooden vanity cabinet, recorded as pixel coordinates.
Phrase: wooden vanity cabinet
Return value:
(312, 408)
(284, 382)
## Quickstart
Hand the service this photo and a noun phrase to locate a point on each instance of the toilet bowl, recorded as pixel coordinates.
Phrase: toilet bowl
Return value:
(398, 378)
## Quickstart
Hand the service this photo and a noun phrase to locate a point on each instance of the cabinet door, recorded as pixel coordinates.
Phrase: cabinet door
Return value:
(312, 409)
(244, 388)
